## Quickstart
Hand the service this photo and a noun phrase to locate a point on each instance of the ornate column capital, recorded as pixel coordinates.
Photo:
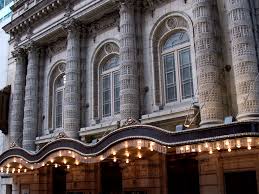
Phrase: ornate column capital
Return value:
(72, 25)
(18, 53)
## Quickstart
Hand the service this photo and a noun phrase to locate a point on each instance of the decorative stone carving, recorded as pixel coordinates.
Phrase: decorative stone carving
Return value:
(72, 85)
(17, 103)
(245, 63)
(208, 66)
(129, 82)
(130, 121)
(30, 124)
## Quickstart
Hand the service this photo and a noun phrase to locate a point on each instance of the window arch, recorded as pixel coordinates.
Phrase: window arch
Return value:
(172, 47)
(57, 80)
(177, 66)
(110, 86)
(105, 67)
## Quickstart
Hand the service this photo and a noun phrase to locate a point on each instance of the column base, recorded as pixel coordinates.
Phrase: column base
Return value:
(211, 123)
(248, 117)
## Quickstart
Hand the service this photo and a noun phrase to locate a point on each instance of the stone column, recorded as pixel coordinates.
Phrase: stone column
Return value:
(244, 59)
(30, 121)
(72, 85)
(208, 63)
(129, 86)
(16, 120)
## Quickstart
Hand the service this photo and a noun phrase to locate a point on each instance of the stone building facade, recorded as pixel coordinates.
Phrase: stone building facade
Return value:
(84, 69)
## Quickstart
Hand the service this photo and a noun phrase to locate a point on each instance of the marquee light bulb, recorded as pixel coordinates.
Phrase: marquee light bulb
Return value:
(127, 154)
(25, 170)
(64, 161)
(2, 170)
(229, 150)
(114, 159)
(20, 166)
(127, 160)
(68, 167)
(139, 155)
(51, 160)
(77, 162)
(19, 170)
(13, 170)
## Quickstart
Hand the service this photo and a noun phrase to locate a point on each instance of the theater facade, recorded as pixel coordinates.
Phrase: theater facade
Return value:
(132, 97)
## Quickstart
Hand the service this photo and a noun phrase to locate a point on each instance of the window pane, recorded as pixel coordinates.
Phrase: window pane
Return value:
(106, 95)
(59, 108)
(171, 94)
(111, 63)
(176, 39)
(170, 78)
(116, 94)
(186, 74)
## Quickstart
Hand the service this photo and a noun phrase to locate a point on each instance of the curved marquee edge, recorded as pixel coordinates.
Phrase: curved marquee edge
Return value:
(145, 132)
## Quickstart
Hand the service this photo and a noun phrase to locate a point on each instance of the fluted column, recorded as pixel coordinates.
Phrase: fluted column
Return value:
(129, 86)
(30, 124)
(72, 85)
(208, 63)
(16, 121)
(244, 59)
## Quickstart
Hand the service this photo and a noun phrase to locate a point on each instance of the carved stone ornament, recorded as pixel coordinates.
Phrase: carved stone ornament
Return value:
(13, 145)
(130, 121)
(61, 135)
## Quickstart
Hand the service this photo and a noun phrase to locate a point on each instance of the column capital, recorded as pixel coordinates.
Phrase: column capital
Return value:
(18, 52)
(72, 25)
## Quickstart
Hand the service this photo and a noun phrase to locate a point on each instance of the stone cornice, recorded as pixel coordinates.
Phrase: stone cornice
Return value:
(33, 15)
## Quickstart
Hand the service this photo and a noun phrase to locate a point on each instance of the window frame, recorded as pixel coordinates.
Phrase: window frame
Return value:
(176, 50)
(110, 72)
(54, 102)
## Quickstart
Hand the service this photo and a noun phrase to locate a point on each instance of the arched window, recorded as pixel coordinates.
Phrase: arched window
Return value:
(176, 60)
(110, 87)
(59, 87)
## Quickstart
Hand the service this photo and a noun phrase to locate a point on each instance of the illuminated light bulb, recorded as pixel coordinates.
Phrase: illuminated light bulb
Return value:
(73, 156)
(20, 159)
(8, 165)
(64, 161)
(127, 160)
(56, 165)
(127, 154)
(101, 158)
(139, 144)
(25, 170)
(13, 170)
(114, 159)
(77, 162)
(211, 152)
(187, 148)
(229, 149)
(85, 158)
(14, 160)
(227, 143)
(238, 145)
(7, 170)
(193, 150)
(68, 166)
(26, 162)
(51, 160)
(218, 147)
(69, 152)
(19, 170)
(168, 147)
(249, 147)
(249, 140)
(126, 145)
(20, 166)
(139, 155)
(32, 167)
(206, 145)
(60, 154)
(199, 150)
(113, 153)
(43, 164)
(181, 149)
(2, 169)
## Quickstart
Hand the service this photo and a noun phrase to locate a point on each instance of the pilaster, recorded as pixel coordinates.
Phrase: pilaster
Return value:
(72, 85)
(30, 121)
(208, 62)
(17, 103)
(129, 82)
(245, 63)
